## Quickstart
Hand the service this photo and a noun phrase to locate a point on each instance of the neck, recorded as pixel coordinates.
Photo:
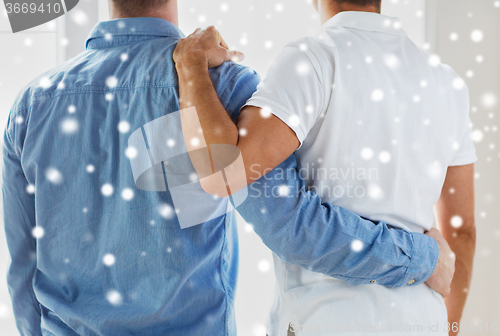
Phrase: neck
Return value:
(328, 9)
(167, 12)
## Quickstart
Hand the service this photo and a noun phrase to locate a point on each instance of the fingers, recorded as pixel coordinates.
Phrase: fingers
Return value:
(208, 41)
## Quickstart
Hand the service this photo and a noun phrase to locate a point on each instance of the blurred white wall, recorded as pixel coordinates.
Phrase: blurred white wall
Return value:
(467, 37)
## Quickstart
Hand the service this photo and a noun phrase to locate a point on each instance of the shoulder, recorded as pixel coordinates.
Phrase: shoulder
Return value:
(228, 75)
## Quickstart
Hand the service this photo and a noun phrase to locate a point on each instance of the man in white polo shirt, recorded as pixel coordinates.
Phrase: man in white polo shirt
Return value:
(381, 128)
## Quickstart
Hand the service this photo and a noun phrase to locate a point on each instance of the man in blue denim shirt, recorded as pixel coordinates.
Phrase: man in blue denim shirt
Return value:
(94, 255)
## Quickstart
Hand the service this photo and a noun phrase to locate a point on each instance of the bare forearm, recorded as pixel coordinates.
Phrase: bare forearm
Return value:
(463, 245)
(455, 218)
(196, 89)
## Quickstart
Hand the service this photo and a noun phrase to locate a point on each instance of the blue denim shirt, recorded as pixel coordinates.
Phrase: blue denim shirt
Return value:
(94, 255)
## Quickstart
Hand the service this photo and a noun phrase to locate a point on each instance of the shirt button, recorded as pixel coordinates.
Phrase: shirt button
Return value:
(412, 281)
(373, 281)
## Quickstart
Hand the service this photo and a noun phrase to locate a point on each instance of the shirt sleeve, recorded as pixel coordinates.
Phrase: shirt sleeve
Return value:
(19, 222)
(466, 153)
(293, 88)
(240, 84)
(318, 236)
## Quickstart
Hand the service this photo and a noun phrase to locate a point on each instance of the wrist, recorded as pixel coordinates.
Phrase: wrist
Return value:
(423, 259)
(192, 62)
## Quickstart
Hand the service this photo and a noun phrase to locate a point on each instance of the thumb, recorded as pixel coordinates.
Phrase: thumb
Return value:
(235, 56)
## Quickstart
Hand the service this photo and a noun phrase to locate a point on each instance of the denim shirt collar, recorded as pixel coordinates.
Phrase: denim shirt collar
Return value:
(112, 33)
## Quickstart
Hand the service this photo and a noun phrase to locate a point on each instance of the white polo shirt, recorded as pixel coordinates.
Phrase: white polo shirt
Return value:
(379, 121)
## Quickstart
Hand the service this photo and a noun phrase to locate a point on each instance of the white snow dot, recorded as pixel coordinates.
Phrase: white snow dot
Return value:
(294, 120)
(265, 112)
(279, 7)
(28, 42)
(455, 146)
(434, 60)
(108, 96)
(423, 83)
(303, 68)
(377, 95)
(38, 232)
(244, 40)
(109, 259)
(19, 120)
(90, 169)
(170, 143)
(366, 153)
(224, 7)
(458, 84)
(497, 4)
(434, 170)
(392, 61)
(384, 157)
(114, 297)
(79, 17)
(453, 36)
(69, 126)
(195, 142)
(375, 192)
(169, 250)
(127, 194)
(166, 211)
(264, 266)
(123, 127)
(131, 152)
(469, 73)
(456, 221)
(72, 109)
(479, 58)
(243, 132)
(112, 82)
(259, 329)
(477, 136)
(303, 47)
(107, 190)
(416, 99)
(477, 35)
(108, 36)
(309, 109)
(368, 59)
(249, 228)
(30, 189)
(124, 57)
(45, 82)
(283, 190)
(202, 18)
(489, 100)
(268, 44)
(54, 176)
(357, 245)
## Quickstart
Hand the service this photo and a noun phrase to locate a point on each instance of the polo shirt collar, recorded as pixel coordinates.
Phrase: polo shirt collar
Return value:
(367, 21)
(117, 32)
